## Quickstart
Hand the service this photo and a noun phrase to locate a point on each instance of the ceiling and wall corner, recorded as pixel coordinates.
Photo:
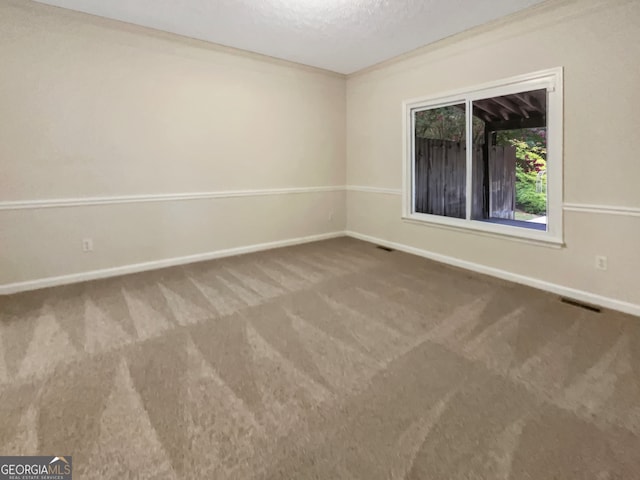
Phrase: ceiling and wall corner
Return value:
(342, 36)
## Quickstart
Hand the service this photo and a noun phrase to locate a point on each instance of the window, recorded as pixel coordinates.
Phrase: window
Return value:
(488, 158)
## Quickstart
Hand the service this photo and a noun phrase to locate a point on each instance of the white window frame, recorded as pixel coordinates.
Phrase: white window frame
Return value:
(552, 81)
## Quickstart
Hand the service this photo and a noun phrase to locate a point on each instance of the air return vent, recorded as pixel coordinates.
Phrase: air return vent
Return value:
(575, 303)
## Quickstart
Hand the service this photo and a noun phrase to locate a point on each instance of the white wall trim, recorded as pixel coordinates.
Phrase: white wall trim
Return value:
(571, 207)
(507, 234)
(583, 296)
(156, 264)
(580, 295)
(169, 197)
(381, 190)
(162, 197)
(603, 209)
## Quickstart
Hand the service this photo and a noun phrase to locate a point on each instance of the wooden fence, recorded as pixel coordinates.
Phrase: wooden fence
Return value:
(502, 175)
(440, 179)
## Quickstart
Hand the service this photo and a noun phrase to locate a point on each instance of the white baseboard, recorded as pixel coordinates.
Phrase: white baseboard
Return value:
(580, 295)
(156, 264)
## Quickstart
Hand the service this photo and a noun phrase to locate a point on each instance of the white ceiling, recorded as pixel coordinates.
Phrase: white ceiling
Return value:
(339, 35)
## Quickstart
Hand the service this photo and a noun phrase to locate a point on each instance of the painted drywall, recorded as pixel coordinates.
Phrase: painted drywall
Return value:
(598, 44)
(97, 108)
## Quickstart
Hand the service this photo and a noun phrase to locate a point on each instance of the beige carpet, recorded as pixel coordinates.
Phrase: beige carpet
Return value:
(333, 360)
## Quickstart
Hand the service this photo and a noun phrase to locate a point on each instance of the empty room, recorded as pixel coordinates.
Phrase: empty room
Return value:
(320, 239)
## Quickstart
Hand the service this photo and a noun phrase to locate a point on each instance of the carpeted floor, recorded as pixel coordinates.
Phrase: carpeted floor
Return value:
(332, 360)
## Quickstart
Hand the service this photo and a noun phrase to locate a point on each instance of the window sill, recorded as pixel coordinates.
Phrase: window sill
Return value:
(539, 227)
(487, 229)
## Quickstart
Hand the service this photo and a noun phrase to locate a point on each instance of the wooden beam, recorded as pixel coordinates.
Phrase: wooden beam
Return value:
(507, 104)
(523, 109)
(530, 101)
(524, 98)
(524, 112)
(512, 106)
(482, 106)
(485, 117)
(517, 123)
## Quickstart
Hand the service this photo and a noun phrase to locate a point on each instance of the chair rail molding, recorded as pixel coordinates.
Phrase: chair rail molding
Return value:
(160, 197)
(603, 209)
(172, 197)
(567, 206)
(367, 189)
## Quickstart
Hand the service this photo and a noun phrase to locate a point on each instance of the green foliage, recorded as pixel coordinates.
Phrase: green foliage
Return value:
(447, 123)
(528, 199)
(531, 147)
(531, 158)
(444, 123)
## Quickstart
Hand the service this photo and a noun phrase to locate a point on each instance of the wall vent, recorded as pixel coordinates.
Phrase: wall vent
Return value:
(575, 303)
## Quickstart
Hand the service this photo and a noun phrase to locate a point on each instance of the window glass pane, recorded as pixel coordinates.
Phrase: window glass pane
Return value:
(510, 160)
(440, 161)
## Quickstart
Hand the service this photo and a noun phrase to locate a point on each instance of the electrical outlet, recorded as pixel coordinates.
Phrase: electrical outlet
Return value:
(601, 262)
(87, 245)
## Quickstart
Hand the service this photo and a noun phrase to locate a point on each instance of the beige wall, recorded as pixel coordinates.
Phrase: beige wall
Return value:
(598, 44)
(96, 108)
